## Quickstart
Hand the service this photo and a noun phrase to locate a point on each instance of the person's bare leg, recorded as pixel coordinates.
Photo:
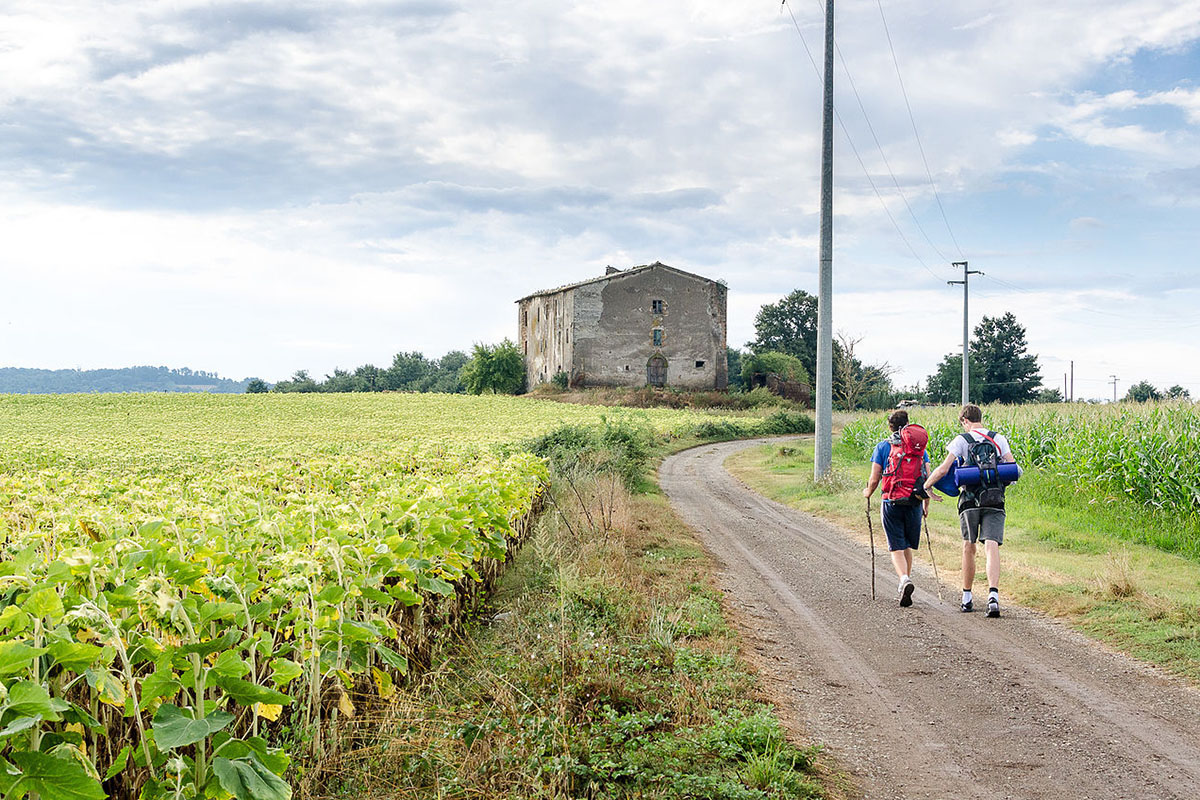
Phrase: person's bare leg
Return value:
(992, 549)
(968, 565)
(902, 562)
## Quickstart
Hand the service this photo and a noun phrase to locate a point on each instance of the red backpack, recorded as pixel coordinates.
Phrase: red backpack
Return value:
(904, 475)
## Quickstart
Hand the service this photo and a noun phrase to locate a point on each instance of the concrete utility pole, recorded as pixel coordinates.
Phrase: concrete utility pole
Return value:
(1114, 383)
(966, 379)
(823, 453)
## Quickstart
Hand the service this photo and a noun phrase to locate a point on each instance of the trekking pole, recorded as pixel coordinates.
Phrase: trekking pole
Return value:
(871, 531)
(929, 541)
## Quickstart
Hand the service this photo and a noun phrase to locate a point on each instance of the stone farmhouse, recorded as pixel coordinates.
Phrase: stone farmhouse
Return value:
(650, 325)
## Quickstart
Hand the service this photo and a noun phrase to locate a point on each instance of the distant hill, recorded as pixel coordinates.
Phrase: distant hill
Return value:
(18, 380)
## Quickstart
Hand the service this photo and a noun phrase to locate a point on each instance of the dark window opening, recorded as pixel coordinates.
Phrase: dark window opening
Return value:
(656, 306)
(699, 365)
(658, 339)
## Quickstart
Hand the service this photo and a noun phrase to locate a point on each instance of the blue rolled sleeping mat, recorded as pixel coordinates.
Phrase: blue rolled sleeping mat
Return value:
(969, 476)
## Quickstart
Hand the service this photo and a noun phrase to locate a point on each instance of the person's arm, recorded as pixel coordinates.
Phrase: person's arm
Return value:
(940, 472)
(873, 481)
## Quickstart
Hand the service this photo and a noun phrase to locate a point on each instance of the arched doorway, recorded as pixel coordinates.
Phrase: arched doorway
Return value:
(656, 371)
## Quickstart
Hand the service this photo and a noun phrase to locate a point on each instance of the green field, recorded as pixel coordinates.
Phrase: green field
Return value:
(196, 588)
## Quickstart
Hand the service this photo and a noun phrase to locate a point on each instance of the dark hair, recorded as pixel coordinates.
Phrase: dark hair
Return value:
(971, 413)
(897, 420)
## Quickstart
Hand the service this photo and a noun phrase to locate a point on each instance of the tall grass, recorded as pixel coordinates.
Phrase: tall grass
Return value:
(1148, 452)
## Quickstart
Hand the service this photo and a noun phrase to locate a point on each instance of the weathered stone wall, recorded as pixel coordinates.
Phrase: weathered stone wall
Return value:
(544, 322)
(614, 322)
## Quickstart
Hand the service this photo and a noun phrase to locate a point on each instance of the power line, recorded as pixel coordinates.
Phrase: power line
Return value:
(867, 117)
(854, 149)
(913, 120)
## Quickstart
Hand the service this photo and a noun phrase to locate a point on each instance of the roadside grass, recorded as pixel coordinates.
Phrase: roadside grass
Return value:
(603, 667)
(1088, 560)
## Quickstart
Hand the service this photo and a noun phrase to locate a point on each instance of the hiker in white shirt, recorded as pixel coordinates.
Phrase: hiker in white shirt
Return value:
(980, 511)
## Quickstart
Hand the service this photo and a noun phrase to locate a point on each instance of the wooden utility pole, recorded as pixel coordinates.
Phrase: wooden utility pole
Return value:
(823, 454)
(1114, 383)
(966, 376)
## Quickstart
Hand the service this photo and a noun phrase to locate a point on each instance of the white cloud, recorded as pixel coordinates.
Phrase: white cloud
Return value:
(282, 186)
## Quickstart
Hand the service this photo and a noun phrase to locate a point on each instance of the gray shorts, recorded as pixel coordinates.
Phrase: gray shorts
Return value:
(982, 524)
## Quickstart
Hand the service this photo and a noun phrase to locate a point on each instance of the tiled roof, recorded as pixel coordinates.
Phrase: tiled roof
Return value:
(621, 273)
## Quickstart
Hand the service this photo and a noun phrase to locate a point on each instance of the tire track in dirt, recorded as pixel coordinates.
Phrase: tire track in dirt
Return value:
(928, 702)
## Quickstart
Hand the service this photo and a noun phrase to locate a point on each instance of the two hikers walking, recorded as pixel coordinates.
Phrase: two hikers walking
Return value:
(900, 464)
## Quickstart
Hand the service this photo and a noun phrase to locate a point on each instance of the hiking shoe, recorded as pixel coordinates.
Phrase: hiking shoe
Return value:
(968, 606)
(906, 591)
(993, 607)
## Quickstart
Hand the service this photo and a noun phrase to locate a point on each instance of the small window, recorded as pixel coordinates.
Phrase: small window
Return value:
(657, 337)
(656, 306)
(699, 365)
(627, 368)
(525, 317)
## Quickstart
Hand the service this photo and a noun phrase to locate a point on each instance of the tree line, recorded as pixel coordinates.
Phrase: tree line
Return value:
(21, 380)
(499, 368)
(1002, 369)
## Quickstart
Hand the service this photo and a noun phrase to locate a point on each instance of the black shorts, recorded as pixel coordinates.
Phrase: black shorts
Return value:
(902, 524)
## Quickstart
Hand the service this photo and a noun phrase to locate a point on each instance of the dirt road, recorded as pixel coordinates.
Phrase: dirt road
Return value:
(928, 702)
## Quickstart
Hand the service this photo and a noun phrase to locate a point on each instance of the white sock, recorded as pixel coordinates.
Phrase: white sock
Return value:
(903, 580)
(966, 595)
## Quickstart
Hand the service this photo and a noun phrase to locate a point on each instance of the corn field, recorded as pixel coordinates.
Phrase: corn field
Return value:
(1149, 452)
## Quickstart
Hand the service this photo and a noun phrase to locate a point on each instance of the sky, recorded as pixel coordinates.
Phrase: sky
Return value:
(254, 188)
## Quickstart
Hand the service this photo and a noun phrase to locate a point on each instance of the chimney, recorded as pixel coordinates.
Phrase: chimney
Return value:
(609, 270)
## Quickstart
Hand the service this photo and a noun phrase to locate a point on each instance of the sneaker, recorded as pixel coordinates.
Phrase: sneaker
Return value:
(968, 606)
(993, 607)
(906, 591)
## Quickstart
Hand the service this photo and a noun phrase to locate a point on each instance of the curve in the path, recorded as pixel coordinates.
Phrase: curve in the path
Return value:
(927, 702)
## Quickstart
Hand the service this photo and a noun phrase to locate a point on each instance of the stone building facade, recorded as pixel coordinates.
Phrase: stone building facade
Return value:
(652, 324)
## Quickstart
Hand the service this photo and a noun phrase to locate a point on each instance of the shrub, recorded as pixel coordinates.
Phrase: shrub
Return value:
(787, 367)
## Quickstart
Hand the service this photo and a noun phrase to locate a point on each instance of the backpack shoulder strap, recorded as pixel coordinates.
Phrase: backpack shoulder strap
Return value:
(989, 435)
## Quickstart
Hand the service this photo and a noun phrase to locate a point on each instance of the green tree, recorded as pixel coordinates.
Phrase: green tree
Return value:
(733, 362)
(300, 382)
(1142, 392)
(1050, 396)
(342, 381)
(786, 366)
(408, 372)
(495, 368)
(447, 375)
(1177, 392)
(257, 386)
(789, 326)
(369, 377)
(1008, 373)
(854, 382)
(945, 384)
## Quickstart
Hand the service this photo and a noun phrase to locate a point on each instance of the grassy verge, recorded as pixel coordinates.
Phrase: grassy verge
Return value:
(602, 668)
(1092, 564)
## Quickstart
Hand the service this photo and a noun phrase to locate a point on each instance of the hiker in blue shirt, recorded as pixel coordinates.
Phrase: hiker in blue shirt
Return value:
(904, 503)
